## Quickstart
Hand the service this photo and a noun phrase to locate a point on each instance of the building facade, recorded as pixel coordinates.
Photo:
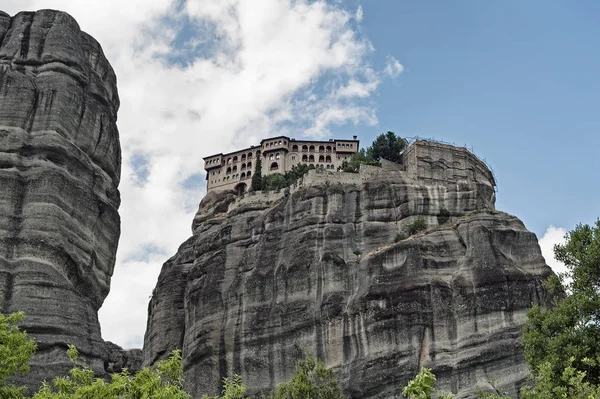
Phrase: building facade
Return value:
(233, 171)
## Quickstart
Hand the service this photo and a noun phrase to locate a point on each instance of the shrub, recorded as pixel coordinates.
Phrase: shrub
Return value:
(418, 225)
(443, 216)
(400, 235)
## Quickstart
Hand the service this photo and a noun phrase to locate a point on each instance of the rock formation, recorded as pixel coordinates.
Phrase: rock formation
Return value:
(60, 165)
(329, 268)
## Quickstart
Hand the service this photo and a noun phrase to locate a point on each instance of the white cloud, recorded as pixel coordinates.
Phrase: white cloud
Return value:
(393, 67)
(201, 78)
(359, 14)
(552, 236)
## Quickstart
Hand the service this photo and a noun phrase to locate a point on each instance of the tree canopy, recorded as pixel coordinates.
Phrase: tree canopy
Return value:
(387, 146)
(16, 350)
(567, 334)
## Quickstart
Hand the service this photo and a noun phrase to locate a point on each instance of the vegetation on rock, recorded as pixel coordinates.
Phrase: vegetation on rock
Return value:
(16, 350)
(418, 225)
(386, 146)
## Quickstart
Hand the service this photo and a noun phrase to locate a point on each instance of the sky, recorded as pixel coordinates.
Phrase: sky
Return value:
(516, 82)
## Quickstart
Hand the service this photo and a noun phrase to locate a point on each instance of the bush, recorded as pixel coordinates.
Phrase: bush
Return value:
(400, 235)
(16, 350)
(418, 225)
(443, 216)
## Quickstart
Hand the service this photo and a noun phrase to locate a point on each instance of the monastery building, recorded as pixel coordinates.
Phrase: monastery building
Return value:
(234, 171)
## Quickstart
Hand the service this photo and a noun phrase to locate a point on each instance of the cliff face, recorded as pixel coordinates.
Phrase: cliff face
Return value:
(327, 269)
(60, 167)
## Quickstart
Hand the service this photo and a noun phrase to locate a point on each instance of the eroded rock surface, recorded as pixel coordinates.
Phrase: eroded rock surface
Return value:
(328, 269)
(60, 167)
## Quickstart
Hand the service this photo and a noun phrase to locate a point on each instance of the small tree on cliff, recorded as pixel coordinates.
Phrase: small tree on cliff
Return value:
(257, 179)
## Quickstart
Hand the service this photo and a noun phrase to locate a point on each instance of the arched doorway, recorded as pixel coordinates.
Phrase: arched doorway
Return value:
(241, 188)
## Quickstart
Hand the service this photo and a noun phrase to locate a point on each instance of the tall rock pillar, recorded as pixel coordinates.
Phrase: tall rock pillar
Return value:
(60, 165)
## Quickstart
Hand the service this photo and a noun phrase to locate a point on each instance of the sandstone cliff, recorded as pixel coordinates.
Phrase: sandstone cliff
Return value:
(326, 268)
(60, 165)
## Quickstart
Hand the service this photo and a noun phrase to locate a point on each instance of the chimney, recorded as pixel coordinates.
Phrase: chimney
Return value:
(354, 137)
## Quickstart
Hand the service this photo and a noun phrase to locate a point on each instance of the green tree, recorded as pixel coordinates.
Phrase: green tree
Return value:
(16, 350)
(361, 157)
(387, 146)
(233, 388)
(311, 380)
(563, 340)
(163, 383)
(257, 179)
(421, 387)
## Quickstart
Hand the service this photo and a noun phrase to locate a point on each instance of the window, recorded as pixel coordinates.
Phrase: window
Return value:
(243, 175)
(235, 159)
(321, 148)
(304, 148)
(228, 170)
(293, 158)
(274, 166)
(243, 157)
(248, 174)
(328, 148)
(321, 158)
(249, 155)
(295, 148)
(328, 158)
(249, 165)
(271, 157)
(243, 167)
(277, 156)
(311, 148)
(304, 158)
(311, 158)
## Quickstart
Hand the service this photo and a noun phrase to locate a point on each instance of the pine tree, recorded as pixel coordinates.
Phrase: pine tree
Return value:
(257, 180)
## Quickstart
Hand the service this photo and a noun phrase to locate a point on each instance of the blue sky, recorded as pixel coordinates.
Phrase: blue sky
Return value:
(516, 81)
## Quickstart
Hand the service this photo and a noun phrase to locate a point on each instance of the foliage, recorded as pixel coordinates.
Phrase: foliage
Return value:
(418, 225)
(233, 388)
(387, 146)
(443, 216)
(563, 341)
(277, 181)
(16, 350)
(421, 387)
(357, 159)
(311, 380)
(257, 179)
(163, 383)
(574, 384)
(400, 235)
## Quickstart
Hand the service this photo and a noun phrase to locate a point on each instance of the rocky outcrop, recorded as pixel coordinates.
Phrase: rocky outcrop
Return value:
(120, 359)
(330, 268)
(60, 167)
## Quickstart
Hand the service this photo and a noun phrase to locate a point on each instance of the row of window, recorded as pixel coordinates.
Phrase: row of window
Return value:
(241, 176)
(272, 143)
(243, 167)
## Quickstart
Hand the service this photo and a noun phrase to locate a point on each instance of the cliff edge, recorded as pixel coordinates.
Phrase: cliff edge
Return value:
(334, 267)
(60, 163)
